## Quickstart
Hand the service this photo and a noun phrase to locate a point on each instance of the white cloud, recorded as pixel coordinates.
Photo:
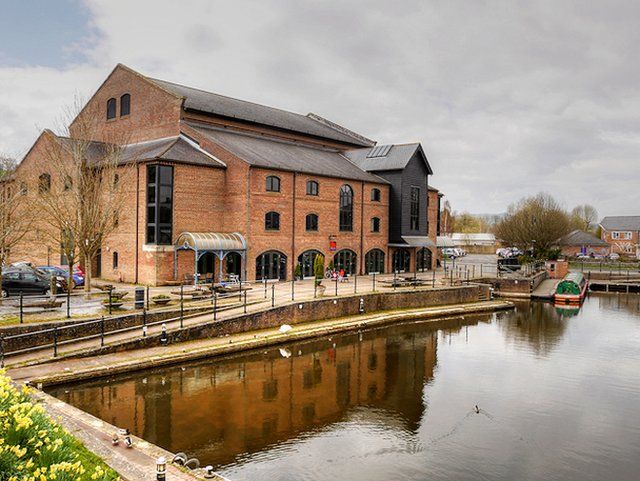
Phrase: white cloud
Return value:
(508, 101)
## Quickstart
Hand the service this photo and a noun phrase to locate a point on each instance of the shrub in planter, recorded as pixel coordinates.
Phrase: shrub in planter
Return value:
(161, 299)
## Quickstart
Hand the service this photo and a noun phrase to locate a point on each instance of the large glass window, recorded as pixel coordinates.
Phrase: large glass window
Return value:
(111, 109)
(374, 261)
(401, 260)
(125, 105)
(346, 208)
(312, 222)
(271, 265)
(272, 221)
(423, 259)
(273, 183)
(415, 208)
(312, 187)
(159, 204)
(306, 260)
(345, 259)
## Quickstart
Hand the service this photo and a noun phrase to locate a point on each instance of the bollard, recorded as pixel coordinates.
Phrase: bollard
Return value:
(102, 331)
(273, 295)
(181, 305)
(355, 283)
(215, 306)
(55, 341)
(293, 283)
(21, 305)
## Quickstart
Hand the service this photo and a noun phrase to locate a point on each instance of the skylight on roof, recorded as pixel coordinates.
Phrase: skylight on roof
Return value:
(379, 151)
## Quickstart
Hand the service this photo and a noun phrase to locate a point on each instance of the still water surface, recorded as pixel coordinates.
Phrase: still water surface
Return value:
(558, 394)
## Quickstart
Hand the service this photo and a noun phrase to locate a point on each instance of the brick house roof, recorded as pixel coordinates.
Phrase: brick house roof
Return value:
(311, 124)
(580, 238)
(272, 153)
(622, 222)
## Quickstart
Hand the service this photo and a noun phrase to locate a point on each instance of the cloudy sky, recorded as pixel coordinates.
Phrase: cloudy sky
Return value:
(509, 98)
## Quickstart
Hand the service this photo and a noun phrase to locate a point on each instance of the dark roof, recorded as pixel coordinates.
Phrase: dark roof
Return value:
(272, 153)
(580, 238)
(390, 157)
(622, 222)
(174, 149)
(203, 101)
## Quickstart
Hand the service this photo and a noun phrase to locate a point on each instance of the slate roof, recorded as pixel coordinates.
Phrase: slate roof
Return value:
(272, 153)
(580, 238)
(175, 149)
(209, 102)
(397, 157)
(622, 222)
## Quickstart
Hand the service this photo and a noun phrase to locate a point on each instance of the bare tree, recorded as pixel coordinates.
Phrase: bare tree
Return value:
(584, 217)
(80, 195)
(15, 222)
(534, 222)
(447, 219)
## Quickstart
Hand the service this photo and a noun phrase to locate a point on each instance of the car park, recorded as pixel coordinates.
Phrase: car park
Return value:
(26, 281)
(63, 273)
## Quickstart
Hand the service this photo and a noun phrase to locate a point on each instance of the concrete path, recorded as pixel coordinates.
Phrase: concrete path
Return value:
(67, 370)
(546, 289)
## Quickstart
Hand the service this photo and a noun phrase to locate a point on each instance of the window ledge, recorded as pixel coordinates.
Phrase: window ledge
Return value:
(157, 248)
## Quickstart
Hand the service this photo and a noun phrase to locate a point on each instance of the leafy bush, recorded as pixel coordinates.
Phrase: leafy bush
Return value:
(297, 271)
(318, 269)
(33, 447)
(160, 297)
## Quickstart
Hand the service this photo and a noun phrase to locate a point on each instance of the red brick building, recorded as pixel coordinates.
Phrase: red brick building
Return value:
(622, 233)
(217, 185)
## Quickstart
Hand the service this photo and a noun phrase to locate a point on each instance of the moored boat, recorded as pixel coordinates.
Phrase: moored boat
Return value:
(571, 289)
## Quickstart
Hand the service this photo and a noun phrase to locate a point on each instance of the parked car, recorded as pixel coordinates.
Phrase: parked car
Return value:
(63, 272)
(614, 256)
(509, 264)
(25, 280)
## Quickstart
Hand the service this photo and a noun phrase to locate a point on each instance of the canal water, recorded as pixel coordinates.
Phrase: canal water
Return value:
(557, 395)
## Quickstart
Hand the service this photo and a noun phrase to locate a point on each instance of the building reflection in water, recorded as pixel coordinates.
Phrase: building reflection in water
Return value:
(220, 409)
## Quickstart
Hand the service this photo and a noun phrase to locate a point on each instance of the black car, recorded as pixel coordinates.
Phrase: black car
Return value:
(27, 281)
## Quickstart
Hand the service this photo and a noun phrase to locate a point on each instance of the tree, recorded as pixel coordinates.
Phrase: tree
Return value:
(318, 268)
(82, 198)
(15, 221)
(584, 217)
(534, 223)
(447, 220)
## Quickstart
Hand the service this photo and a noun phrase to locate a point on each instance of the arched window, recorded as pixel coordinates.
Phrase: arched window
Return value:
(375, 224)
(423, 259)
(271, 265)
(44, 183)
(125, 105)
(23, 188)
(401, 260)
(312, 187)
(115, 260)
(272, 221)
(312, 222)
(345, 259)
(273, 183)
(346, 208)
(306, 260)
(374, 262)
(111, 108)
(116, 180)
(375, 195)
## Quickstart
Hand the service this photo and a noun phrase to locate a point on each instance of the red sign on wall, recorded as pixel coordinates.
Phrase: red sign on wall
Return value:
(333, 245)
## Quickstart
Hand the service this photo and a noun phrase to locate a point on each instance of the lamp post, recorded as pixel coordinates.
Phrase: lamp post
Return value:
(161, 469)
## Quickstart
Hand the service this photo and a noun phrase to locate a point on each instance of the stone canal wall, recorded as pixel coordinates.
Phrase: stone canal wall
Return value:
(300, 312)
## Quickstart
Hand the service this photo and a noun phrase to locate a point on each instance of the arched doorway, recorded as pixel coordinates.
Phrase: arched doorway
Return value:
(271, 265)
(206, 266)
(401, 260)
(423, 259)
(234, 264)
(306, 260)
(345, 259)
(374, 262)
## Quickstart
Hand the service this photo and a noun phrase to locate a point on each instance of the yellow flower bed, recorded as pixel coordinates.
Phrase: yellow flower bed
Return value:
(34, 448)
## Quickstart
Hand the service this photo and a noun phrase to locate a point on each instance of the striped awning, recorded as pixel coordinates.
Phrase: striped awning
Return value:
(211, 241)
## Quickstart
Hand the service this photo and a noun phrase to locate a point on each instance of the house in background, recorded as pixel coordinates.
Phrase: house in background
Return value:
(622, 233)
(579, 242)
(475, 243)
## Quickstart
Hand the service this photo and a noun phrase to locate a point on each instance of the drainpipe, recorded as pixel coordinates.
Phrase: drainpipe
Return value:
(293, 230)
(137, 218)
(247, 227)
(361, 229)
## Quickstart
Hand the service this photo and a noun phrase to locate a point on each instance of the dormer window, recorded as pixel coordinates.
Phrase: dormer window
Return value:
(125, 105)
(111, 109)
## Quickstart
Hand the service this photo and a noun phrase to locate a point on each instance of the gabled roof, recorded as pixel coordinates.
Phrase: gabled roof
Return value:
(622, 222)
(580, 238)
(390, 157)
(212, 103)
(273, 153)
